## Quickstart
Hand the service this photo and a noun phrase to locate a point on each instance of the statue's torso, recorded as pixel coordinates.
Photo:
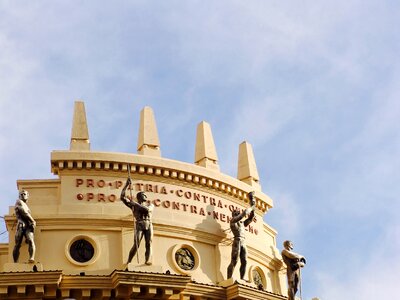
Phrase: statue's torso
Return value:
(238, 230)
(143, 215)
(22, 209)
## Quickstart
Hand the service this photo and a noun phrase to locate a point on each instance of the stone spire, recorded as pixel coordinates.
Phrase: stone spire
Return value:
(205, 153)
(247, 168)
(148, 142)
(80, 133)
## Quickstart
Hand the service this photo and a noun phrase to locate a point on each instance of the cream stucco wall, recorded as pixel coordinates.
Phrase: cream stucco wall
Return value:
(192, 207)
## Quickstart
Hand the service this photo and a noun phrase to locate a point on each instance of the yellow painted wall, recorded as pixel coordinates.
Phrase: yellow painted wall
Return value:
(192, 206)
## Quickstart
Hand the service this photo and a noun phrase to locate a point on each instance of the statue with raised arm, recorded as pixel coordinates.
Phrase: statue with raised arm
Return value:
(293, 262)
(239, 248)
(25, 227)
(142, 211)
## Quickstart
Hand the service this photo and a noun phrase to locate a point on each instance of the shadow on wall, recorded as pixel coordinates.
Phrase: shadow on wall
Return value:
(276, 279)
(219, 236)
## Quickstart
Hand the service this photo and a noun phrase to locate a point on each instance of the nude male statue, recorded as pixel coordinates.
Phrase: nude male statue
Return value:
(142, 212)
(238, 229)
(25, 227)
(293, 262)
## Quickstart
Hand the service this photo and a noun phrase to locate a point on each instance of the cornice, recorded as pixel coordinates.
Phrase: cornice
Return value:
(149, 279)
(3, 248)
(264, 259)
(83, 221)
(42, 183)
(117, 163)
(34, 278)
(187, 233)
(86, 282)
(205, 291)
(239, 291)
(121, 284)
(269, 229)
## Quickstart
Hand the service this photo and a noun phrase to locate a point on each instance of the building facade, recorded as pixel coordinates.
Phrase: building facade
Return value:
(84, 232)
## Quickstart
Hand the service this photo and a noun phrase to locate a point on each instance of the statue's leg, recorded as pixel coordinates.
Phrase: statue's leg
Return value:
(243, 260)
(290, 293)
(136, 244)
(148, 236)
(296, 283)
(234, 258)
(31, 245)
(19, 234)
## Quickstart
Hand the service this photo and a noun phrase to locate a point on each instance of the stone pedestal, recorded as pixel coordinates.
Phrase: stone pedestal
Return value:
(144, 268)
(23, 267)
(227, 282)
(231, 281)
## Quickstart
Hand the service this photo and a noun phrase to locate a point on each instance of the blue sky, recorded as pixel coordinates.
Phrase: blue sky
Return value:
(312, 85)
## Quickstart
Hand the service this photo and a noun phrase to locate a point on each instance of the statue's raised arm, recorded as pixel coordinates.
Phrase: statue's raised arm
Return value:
(128, 202)
(250, 210)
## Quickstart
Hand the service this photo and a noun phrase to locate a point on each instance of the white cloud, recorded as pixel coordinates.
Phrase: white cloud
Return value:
(287, 216)
(374, 170)
(296, 80)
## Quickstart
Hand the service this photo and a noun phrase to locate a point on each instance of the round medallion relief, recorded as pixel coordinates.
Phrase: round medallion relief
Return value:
(185, 259)
(81, 251)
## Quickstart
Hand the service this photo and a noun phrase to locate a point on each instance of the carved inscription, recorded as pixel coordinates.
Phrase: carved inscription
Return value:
(179, 199)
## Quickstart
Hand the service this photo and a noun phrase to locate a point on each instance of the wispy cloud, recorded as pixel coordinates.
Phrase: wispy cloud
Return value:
(374, 279)
(312, 86)
(289, 218)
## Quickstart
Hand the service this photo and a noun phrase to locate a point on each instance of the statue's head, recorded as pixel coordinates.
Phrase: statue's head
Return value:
(141, 197)
(23, 195)
(288, 245)
(235, 212)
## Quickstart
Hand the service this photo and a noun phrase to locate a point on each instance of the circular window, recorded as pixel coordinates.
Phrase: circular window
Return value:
(81, 250)
(185, 258)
